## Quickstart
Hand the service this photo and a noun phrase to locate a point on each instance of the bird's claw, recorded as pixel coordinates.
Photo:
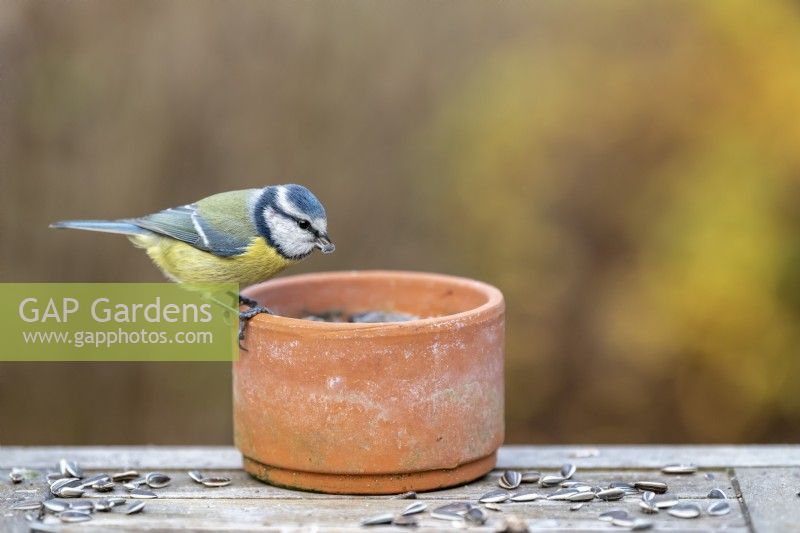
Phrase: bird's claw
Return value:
(245, 316)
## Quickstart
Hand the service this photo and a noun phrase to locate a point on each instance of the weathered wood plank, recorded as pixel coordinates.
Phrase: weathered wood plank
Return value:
(258, 515)
(102, 457)
(770, 496)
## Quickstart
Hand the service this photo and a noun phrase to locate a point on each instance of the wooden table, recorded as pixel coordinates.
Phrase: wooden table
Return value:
(762, 483)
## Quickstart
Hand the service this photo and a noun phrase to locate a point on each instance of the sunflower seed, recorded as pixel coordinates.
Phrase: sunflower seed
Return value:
(446, 515)
(530, 477)
(648, 495)
(217, 481)
(27, 505)
(611, 494)
(576, 506)
(127, 475)
(134, 483)
(641, 524)
(525, 496)
(74, 516)
(627, 521)
(494, 507)
(679, 469)
(414, 508)
(196, 476)
(717, 494)
(134, 507)
(613, 514)
(406, 521)
(510, 479)
(58, 484)
(627, 487)
(16, 476)
(476, 515)
(88, 482)
(143, 494)
(665, 502)
(81, 505)
(410, 495)
(551, 481)
(685, 510)
(70, 492)
(157, 480)
(104, 486)
(719, 508)
(653, 486)
(70, 468)
(568, 470)
(103, 505)
(562, 494)
(55, 505)
(459, 508)
(383, 518)
(648, 507)
(116, 500)
(581, 496)
(495, 496)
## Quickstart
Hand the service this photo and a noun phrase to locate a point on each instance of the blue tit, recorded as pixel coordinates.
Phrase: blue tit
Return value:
(240, 237)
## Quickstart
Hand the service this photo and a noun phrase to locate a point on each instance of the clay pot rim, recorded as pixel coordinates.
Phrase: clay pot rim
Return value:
(493, 305)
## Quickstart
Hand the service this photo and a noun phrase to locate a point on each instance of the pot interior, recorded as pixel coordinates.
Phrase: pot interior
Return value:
(423, 295)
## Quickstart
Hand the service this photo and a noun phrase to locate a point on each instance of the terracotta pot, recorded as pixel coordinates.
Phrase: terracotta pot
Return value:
(371, 408)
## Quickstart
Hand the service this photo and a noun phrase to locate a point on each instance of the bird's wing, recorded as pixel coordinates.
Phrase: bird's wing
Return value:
(221, 224)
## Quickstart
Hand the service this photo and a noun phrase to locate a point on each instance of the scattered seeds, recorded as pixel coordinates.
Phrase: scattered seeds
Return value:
(685, 510)
(71, 516)
(719, 508)
(665, 502)
(640, 524)
(157, 480)
(127, 475)
(59, 484)
(525, 496)
(611, 494)
(717, 494)
(216, 481)
(476, 515)
(89, 481)
(576, 506)
(70, 468)
(27, 505)
(446, 515)
(143, 494)
(648, 507)
(134, 507)
(103, 486)
(70, 492)
(103, 505)
(383, 518)
(495, 496)
(648, 495)
(414, 508)
(82, 505)
(679, 469)
(406, 521)
(16, 476)
(652, 486)
(494, 507)
(568, 470)
(551, 481)
(510, 479)
(563, 494)
(530, 477)
(627, 521)
(584, 496)
(613, 514)
(55, 505)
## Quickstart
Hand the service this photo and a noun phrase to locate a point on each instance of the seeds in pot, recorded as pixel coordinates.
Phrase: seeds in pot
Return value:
(685, 510)
(530, 477)
(648, 507)
(55, 505)
(414, 508)
(74, 516)
(104, 486)
(652, 486)
(510, 479)
(717, 494)
(551, 481)
(216, 481)
(157, 480)
(383, 518)
(405, 521)
(127, 475)
(581, 496)
(525, 496)
(134, 507)
(613, 514)
(27, 505)
(679, 469)
(568, 470)
(575, 507)
(143, 494)
(476, 515)
(665, 502)
(719, 508)
(648, 495)
(70, 492)
(611, 494)
(495, 496)
(410, 495)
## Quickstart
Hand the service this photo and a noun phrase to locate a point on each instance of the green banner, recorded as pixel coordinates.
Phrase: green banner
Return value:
(118, 322)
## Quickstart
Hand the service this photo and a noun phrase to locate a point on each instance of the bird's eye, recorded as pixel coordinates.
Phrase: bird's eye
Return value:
(304, 224)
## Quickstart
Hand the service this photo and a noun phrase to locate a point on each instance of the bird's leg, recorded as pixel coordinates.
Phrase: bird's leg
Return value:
(245, 316)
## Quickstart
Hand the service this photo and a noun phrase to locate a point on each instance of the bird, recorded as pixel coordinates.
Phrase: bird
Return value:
(244, 237)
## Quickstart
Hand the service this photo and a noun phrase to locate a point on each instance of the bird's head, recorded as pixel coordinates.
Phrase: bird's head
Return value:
(292, 220)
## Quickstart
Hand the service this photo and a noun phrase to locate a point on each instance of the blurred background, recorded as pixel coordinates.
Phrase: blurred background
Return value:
(627, 173)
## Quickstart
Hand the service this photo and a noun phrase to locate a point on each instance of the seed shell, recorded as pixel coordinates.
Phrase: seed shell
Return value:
(216, 481)
(16, 476)
(70, 468)
(648, 507)
(531, 477)
(476, 515)
(581, 496)
(127, 475)
(446, 515)
(495, 496)
(568, 470)
(70, 492)
(611, 494)
(525, 496)
(143, 494)
(717, 494)
(576, 506)
(652, 486)
(196, 475)
(414, 508)
(88, 482)
(81, 505)
(551, 481)
(55, 505)
(383, 518)
(679, 469)
(648, 495)
(510, 479)
(157, 480)
(685, 510)
(74, 516)
(459, 508)
(719, 508)
(134, 507)
(665, 502)
(614, 514)
(104, 486)
(405, 521)
(27, 505)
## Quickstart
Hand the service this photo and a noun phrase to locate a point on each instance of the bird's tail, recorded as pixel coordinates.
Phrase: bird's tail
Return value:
(106, 226)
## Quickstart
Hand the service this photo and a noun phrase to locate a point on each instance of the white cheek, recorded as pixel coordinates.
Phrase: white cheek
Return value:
(292, 240)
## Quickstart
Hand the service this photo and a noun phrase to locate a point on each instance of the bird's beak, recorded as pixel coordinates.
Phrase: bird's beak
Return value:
(324, 244)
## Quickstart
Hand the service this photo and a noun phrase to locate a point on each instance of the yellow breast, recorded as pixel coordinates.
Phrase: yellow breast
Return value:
(184, 263)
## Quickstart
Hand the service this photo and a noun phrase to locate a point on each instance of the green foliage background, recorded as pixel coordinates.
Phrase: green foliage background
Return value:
(628, 173)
